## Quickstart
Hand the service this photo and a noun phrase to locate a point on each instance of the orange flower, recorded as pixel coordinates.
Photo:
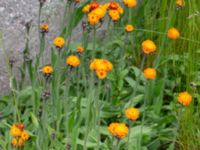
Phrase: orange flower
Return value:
(73, 61)
(150, 73)
(173, 34)
(79, 49)
(14, 142)
(180, 3)
(114, 14)
(47, 70)
(99, 12)
(59, 42)
(93, 5)
(93, 18)
(132, 113)
(148, 46)
(24, 136)
(129, 28)
(101, 74)
(86, 8)
(119, 130)
(113, 5)
(130, 3)
(21, 142)
(44, 28)
(111, 128)
(15, 130)
(184, 98)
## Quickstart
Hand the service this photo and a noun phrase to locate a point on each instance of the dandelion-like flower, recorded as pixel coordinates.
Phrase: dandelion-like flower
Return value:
(44, 27)
(184, 98)
(173, 34)
(118, 130)
(59, 42)
(79, 49)
(114, 10)
(150, 73)
(130, 3)
(132, 113)
(73, 61)
(129, 28)
(148, 46)
(47, 70)
(180, 3)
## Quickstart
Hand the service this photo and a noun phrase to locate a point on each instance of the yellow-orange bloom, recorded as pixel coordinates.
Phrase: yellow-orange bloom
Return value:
(99, 12)
(14, 142)
(15, 130)
(44, 27)
(59, 42)
(180, 3)
(129, 28)
(93, 19)
(73, 61)
(132, 113)
(130, 3)
(94, 5)
(101, 74)
(80, 49)
(111, 128)
(86, 8)
(148, 46)
(184, 98)
(47, 70)
(24, 136)
(150, 73)
(173, 34)
(119, 130)
(114, 14)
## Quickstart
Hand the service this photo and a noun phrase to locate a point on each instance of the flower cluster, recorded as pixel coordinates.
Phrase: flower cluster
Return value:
(20, 136)
(101, 67)
(114, 10)
(95, 12)
(118, 130)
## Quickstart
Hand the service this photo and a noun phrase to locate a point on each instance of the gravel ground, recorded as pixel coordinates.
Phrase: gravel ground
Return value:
(13, 15)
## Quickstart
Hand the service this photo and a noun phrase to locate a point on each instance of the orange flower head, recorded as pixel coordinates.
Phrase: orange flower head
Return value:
(113, 5)
(79, 49)
(15, 130)
(132, 113)
(73, 61)
(99, 12)
(148, 46)
(24, 136)
(93, 5)
(77, 1)
(173, 34)
(14, 142)
(180, 3)
(44, 27)
(130, 3)
(111, 128)
(101, 74)
(184, 98)
(59, 42)
(86, 8)
(121, 131)
(129, 28)
(114, 14)
(93, 19)
(47, 70)
(150, 73)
